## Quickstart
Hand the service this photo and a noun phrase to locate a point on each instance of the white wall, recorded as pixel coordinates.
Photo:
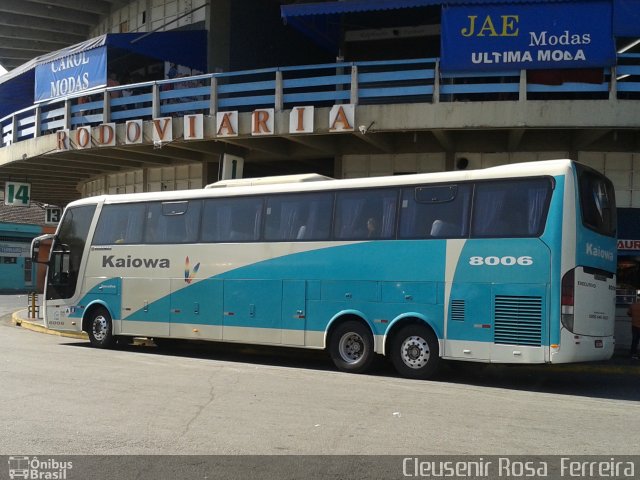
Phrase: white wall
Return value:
(624, 171)
(151, 15)
(179, 177)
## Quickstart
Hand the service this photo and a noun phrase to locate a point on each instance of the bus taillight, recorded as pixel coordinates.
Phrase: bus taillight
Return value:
(568, 295)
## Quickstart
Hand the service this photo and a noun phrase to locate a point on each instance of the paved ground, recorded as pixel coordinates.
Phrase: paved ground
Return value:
(64, 397)
(10, 303)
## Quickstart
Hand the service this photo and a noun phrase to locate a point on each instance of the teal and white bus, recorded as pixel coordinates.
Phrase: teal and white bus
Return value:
(510, 264)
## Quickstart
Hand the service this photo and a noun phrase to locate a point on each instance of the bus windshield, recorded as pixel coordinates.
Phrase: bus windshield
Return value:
(67, 251)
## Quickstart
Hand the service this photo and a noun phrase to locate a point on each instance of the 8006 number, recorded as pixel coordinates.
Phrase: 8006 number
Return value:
(506, 261)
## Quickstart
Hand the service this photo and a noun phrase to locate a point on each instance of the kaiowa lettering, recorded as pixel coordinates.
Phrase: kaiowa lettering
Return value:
(595, 251)
(119, 262)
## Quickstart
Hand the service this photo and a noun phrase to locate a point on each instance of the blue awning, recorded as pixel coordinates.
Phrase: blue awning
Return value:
(626, 18)
(321, 20)
(184, 47)
(330, 8)
(350, 6)
(188, 48)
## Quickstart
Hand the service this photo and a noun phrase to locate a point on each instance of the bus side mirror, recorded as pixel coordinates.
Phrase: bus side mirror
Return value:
(35, 247)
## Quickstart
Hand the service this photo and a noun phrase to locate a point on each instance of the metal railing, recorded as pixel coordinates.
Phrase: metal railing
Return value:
(380, 82)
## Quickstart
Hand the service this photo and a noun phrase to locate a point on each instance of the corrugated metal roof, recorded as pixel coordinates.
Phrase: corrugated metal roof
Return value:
(351, 6)
(32, 215)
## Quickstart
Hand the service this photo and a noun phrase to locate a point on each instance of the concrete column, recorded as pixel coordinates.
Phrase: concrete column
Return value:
(279, 95)
(14, 129)
(436, 83)
(522, 92)
(218, 25)
(155, 106)
(211, 170)
(354, 85)
(67, 114)
(337, 166)
(37, 120)
(213, 97)
(450, 161)
(106, 107)
(613, 85)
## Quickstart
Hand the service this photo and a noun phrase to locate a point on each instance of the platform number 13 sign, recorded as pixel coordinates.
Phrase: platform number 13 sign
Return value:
(53, 215)
(17, 194)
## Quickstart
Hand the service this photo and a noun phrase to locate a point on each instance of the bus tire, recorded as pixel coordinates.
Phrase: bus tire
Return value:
(100, 328)
(351, 347)
(415, 352)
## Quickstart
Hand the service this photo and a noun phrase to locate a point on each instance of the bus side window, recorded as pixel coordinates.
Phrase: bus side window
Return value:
(510, 208)
(173, 222)
(232, 219)
(355, 209)
(121, 223)
(298, 217)
(435, 211)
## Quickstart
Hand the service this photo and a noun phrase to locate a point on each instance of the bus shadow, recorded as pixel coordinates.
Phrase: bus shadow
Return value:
(611, 381)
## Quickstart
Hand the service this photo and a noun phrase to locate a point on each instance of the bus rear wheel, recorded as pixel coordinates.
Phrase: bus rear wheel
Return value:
(351, 347)
(100, 328)
(414, 352)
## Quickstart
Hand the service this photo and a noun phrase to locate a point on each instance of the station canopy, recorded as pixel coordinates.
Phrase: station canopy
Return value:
(188, 48)
(320, 21)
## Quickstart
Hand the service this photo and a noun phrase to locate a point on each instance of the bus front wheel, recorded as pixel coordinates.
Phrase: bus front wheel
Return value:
(100, 328)
(351, 347)
(414, 352)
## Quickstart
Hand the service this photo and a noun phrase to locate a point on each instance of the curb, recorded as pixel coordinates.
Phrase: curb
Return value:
(36, 327)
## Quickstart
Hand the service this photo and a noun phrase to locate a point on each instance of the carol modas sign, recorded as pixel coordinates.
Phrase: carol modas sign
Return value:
(71, 74)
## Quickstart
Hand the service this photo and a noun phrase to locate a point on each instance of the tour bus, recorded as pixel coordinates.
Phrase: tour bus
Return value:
(509, 264)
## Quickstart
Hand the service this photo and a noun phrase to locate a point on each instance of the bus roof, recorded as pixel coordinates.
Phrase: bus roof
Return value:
(279, 179)
(315, 182)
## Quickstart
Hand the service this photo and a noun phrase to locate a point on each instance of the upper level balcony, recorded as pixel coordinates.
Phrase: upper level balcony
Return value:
(403, 106)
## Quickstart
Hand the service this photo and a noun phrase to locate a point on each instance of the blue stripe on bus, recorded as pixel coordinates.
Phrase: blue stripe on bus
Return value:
(410, 283)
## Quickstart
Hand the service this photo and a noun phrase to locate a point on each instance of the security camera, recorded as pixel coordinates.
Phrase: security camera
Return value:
(363, 129)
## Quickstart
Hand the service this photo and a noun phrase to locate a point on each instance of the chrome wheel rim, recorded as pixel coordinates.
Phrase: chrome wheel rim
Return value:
(100, 328)
(415, 352)
(351, 347)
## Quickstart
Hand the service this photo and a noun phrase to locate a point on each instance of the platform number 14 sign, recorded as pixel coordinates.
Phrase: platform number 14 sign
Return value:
(17, 194)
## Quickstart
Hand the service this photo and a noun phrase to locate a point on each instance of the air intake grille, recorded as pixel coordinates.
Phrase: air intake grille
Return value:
(518, 320)
(457, 310)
